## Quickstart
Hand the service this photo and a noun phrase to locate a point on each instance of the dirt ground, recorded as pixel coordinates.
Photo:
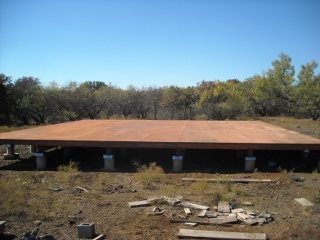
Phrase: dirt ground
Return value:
(50, 202)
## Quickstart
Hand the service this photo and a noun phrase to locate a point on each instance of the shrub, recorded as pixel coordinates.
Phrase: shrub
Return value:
(72, 167)
(150, 175)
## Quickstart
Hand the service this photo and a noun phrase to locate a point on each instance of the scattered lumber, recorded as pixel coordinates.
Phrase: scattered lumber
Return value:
(202, 213)
(223, 220)
(82, 189)
(304, 202)
(187, 233)
(100, 237)
(192, 224)
(198, 222)
(211, 214)
(187, 211)
(139, 203)
(235, 180)
(171, 201)
(194, 206)
(224, 207)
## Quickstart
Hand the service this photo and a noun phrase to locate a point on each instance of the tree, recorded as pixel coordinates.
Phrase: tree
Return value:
(172, 100)
(23, 88)
(223, 100)
(259, 92)
(309, 91)
(108, 97)
(5, 98)
(38, 104)
(282, 80)
(188, 100)
(156, 95)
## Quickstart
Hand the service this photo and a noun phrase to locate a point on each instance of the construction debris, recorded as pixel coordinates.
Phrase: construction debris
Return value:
(223, 215)
(194, 206)
(304, 202)
(227, 180)
(82, 189)
(187, 211)
(187, 233)
(224, 207)
(139, 203)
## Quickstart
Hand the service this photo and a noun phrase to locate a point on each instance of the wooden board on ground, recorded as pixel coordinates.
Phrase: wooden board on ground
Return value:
(235, 180)
(139, 203)
(202, 213)
(223, 220)
(186, 233)
(187, 211)
(198, 222)
(304, 202)
(224, 207)
(194, 206)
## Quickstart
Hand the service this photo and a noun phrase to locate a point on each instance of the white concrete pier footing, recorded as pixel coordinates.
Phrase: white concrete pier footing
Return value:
(108, 162)
(41, 161)
(10, 155)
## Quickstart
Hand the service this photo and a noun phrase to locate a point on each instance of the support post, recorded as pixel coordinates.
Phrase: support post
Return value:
(108, 160)
(177, 163)
(250, 161)
(10, 155)
(41, 160)
(33, 148)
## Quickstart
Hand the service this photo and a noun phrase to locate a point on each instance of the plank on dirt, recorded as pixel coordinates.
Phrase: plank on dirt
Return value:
(304, 202)
(187, 211)
(139, 203)
(235, 180)
(202, 213)
(224, 207)
(198, 222)
(186, 233)
(223, 220)
(194, 206)
(100, 237)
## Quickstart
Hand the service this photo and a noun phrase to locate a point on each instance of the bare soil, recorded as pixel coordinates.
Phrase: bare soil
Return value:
(29, 200)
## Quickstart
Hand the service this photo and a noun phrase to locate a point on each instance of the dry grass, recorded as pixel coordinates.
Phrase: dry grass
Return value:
(150, 176)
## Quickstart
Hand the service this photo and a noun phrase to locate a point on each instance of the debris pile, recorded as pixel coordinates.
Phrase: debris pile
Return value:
(223, 214)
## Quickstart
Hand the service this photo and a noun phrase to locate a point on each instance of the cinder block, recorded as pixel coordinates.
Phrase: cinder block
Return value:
(86, 230)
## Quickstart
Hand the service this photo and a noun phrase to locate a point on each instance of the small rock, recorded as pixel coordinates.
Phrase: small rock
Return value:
(37, 223)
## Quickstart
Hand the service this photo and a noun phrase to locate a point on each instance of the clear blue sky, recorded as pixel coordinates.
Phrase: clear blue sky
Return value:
(154, 42)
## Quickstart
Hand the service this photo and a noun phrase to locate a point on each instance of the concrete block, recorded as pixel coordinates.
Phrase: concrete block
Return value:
(86, 230)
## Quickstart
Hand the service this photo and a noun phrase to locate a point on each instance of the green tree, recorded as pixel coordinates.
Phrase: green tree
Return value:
(6, 101)
(23, 88)
(172, 100)
(108, 97)
(223, 100)
(309, 91)
(282, 84)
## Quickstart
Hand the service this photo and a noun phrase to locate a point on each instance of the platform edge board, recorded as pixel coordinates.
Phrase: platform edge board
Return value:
(186, 233)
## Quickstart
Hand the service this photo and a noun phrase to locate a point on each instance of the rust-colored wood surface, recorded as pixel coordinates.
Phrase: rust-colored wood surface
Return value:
(164, 134)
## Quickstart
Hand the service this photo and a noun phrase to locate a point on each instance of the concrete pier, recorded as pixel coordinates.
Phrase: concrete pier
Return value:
(108, 162)
(177, 163)
(10, 155)
(41, 160)
(250, 161)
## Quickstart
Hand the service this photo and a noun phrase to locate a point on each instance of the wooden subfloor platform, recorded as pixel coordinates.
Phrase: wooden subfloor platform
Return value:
(253, 135)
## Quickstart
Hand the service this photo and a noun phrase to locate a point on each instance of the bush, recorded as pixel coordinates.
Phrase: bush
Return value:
(72, 167)
(150, 175)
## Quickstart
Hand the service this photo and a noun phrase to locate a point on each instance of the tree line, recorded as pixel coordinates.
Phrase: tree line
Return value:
(275, 92)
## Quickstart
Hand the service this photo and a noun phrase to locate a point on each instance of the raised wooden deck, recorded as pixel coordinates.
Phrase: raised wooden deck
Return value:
(163, 134)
